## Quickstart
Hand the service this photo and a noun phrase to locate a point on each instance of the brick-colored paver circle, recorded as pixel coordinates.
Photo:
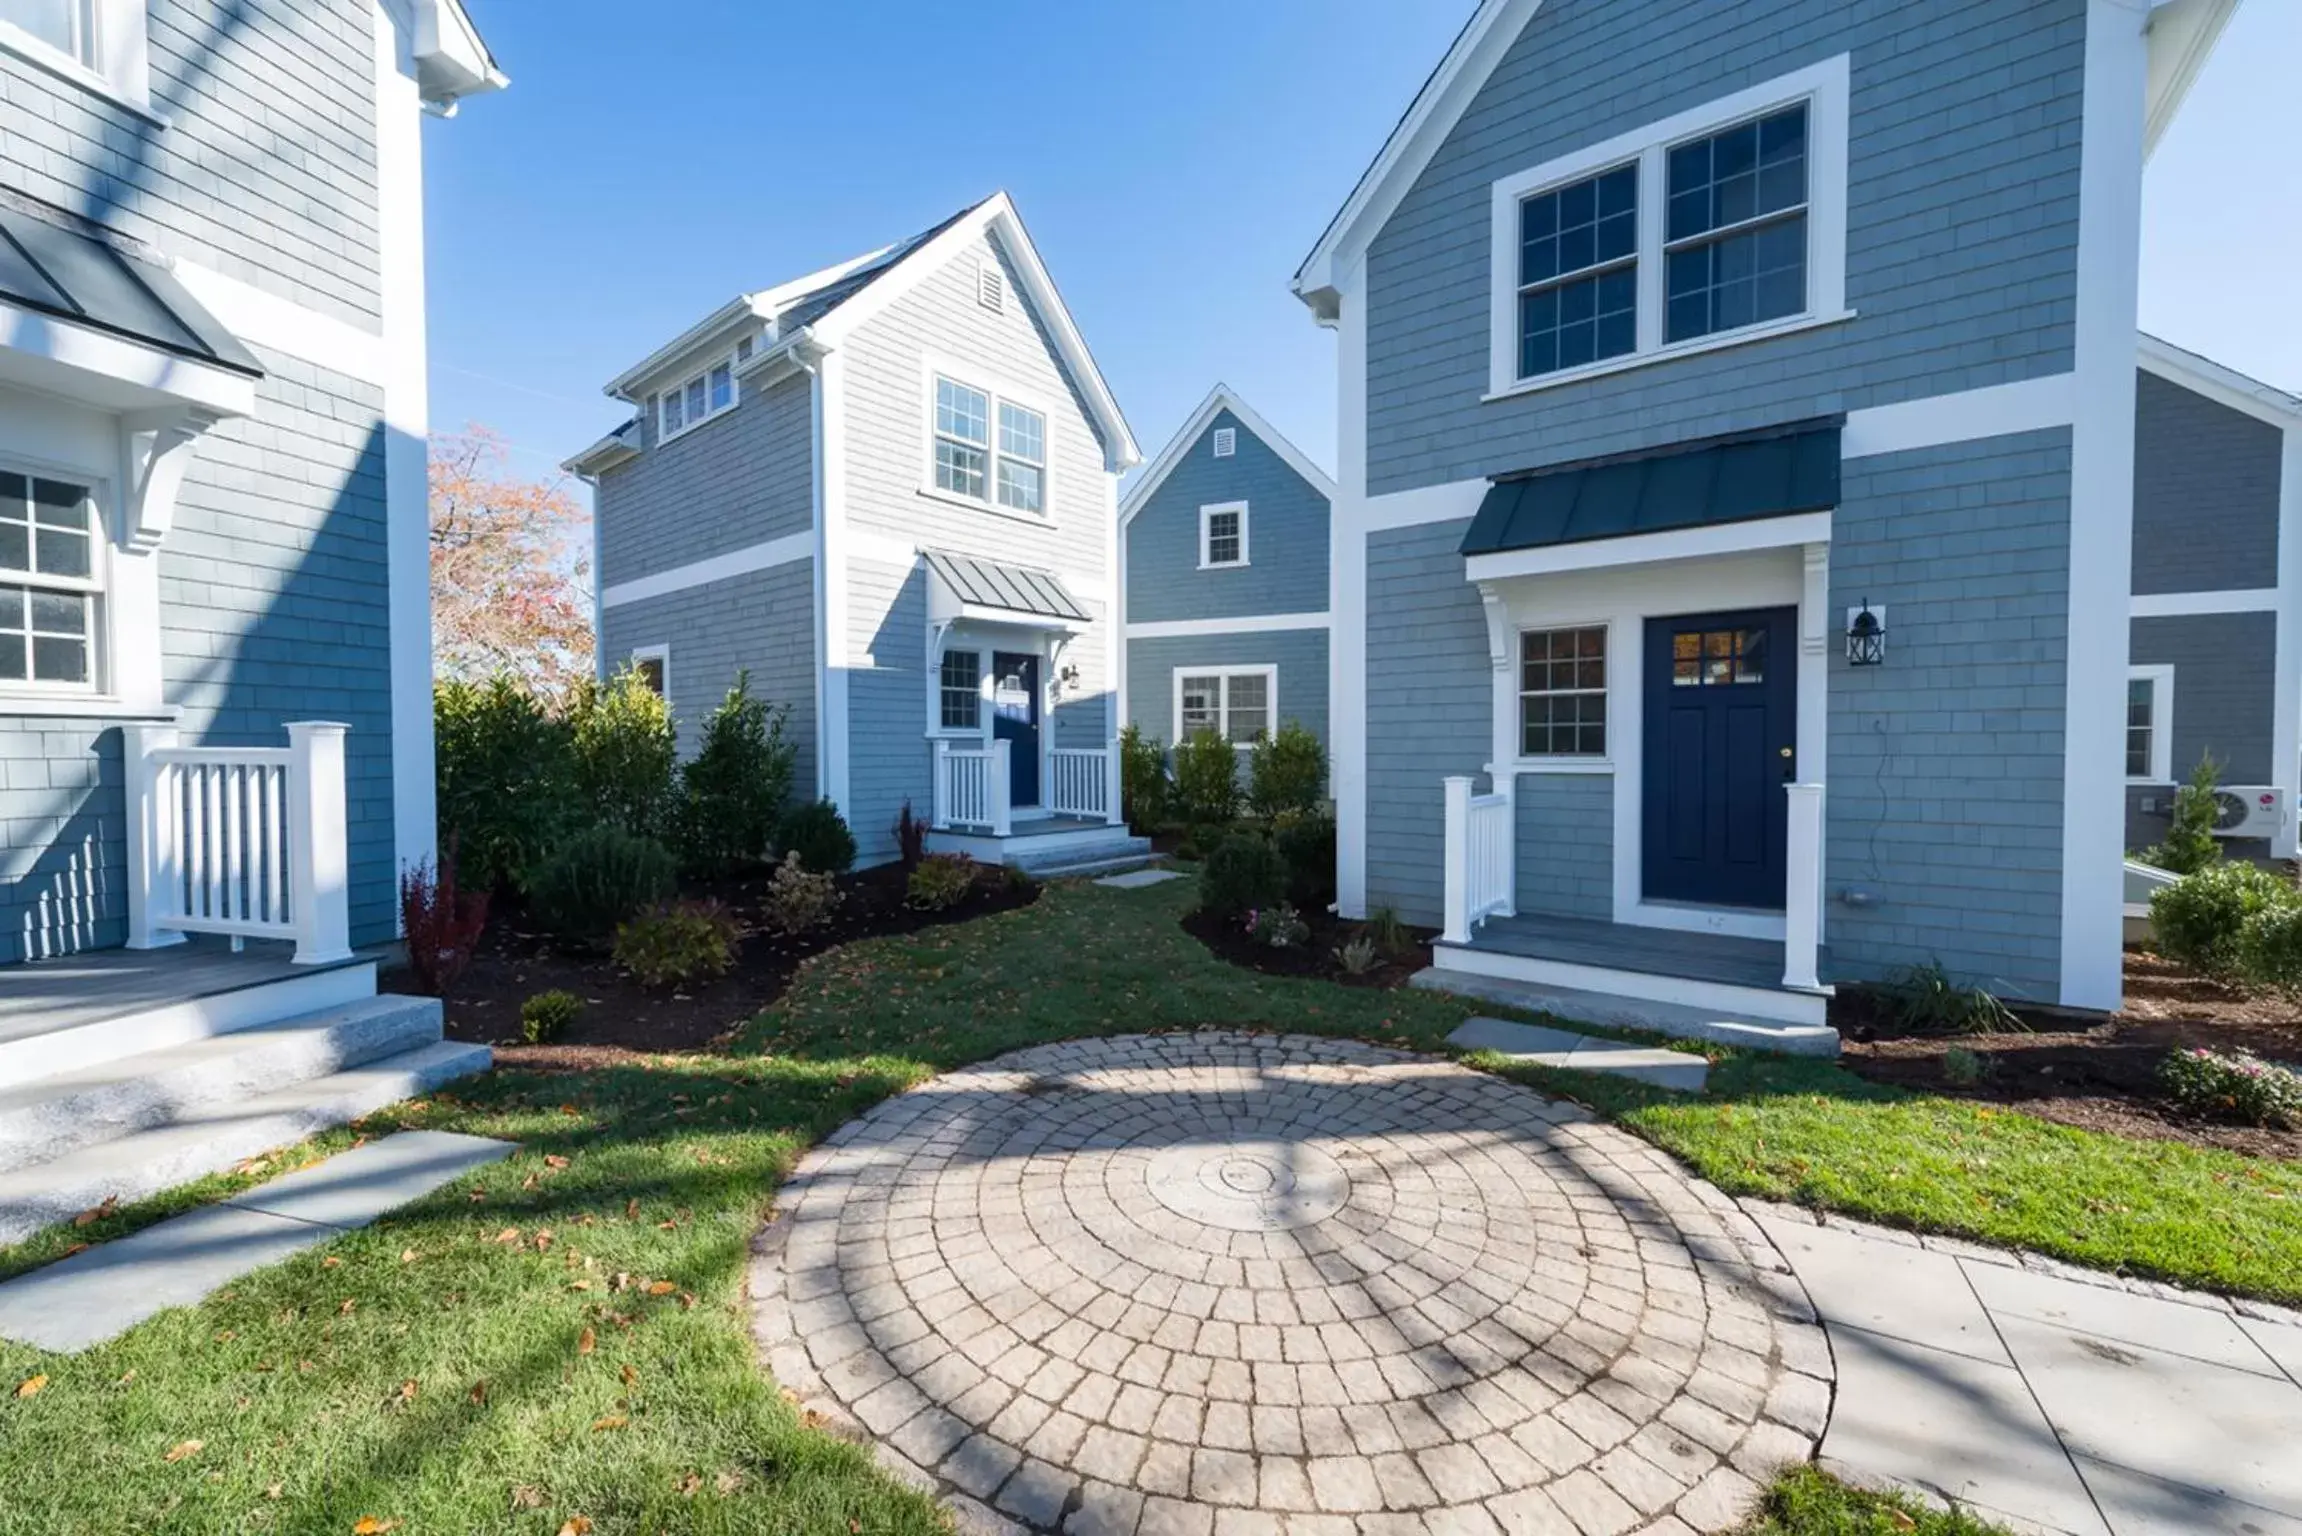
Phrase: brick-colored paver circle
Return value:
(1208, 1282)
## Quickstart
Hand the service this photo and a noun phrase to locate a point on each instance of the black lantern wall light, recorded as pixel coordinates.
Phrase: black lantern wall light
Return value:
(1865, 635)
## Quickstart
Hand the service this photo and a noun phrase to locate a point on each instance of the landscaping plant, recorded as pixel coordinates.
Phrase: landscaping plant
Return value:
(1965, 1068)
(625, 752)
(2199, 922)
(1242, 875)
(2190, 844)
(1358, 955)
(1390, 935)
(686, 941)
(1306, 841)
(1286, 773)
(941, 882)
(910, 837)
(1143, 785)
(546, 1016)
(797, 897)
(732, 792)
(1206, 779)
(441, 923)
(505, 771)
(2234, 1085)
(1279, 927)
(1923, 1000)
(817, 833)
(2270, 947)
(600, 877)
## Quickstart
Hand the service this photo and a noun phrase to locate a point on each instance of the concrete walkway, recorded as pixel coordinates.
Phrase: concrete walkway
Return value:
(104, 1291)
(2048, 1397)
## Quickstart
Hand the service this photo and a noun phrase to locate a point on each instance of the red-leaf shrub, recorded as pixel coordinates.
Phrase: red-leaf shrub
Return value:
(442, 924)
(910, 837)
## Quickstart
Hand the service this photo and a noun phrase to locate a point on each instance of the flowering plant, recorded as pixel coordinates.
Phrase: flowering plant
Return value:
(1279, 927)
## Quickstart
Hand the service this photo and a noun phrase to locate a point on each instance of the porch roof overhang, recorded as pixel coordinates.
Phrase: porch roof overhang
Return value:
(985, 591)
(1775, 472)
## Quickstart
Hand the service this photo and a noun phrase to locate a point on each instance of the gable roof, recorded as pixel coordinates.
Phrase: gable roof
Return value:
(1219, 399)
(2182, 34)
(2202, 375)
(818, 312)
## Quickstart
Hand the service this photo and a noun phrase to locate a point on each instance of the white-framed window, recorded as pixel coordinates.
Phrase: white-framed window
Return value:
(51, 584)
(960, 692)
(653, 664)
(1720, 225)
(987, 448)
(1240, 704)
(692, 402)
(1222, 535)
(100, 44)
(2150, 725)
(1563, 691)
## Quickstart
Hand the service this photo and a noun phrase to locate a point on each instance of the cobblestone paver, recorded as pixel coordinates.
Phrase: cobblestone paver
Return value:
(1219, 1281)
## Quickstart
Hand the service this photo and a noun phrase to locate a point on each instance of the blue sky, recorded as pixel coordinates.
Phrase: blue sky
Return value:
(1173, 161)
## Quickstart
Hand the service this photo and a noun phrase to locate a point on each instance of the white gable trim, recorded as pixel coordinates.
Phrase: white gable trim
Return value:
(1219, 399)
(997, 216)
(2182, 35)
(2224, 386)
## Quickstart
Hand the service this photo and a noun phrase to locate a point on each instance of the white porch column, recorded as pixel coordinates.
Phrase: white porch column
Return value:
(1114, 808)
(1802, 888)
(1000, 786)
(319, 859)
(941, 809)
(1455, 872)
(153, 871)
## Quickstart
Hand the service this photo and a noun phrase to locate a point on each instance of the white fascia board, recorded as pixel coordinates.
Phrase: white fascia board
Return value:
(2224, 386)
(451, 58)
(2182, 37)
(1246, 624)
(602, 456)
(1477, 49)
(1796, 530)
(1219, 399)
(625, 385)
(996, 215)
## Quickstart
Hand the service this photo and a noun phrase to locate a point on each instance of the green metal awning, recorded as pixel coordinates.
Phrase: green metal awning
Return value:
(1773, 472)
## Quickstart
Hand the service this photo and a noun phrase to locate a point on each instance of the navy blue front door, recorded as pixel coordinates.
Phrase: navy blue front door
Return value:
(1721, 729)
(1015, 718)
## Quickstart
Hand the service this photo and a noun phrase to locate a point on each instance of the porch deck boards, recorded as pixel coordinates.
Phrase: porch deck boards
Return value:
(1713, 957)
(41, 996)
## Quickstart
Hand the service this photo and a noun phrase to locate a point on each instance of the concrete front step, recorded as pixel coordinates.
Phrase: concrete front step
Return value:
(1686, 1022)
(1115, 864)
(1070, 857)
(214, 1138)
(51, 1117)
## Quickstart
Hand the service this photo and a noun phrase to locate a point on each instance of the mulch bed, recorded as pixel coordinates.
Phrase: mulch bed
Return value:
(1315, 956)
(517, 959)
(2100, 1074)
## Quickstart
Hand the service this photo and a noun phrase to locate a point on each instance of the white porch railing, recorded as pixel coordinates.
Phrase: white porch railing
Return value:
(971, 787)
(1802, 888)
(244, 841)
(1079, 783)
(1481, 855)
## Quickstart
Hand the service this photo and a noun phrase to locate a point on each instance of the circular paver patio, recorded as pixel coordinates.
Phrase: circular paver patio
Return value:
(1215, 1281)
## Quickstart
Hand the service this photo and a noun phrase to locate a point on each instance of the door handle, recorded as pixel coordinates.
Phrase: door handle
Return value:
(1789, 765)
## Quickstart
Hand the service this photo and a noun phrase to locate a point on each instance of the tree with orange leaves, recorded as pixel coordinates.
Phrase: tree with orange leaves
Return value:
(509, 576)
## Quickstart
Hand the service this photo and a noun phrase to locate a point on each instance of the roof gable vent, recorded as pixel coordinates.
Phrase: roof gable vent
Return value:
(991, 288)
(1226, 442)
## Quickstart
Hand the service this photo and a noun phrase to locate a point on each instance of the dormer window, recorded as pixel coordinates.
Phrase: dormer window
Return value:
(697, 400)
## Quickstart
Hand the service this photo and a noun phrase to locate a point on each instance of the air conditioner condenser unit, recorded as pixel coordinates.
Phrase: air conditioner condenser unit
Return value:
(2249, 810)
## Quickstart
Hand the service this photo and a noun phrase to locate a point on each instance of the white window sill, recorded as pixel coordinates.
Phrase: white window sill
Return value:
(952, 499)
(1519, 765)
(1223, 565)
(80, 706)
(72, 72)
(701, 421)
(1669, 354)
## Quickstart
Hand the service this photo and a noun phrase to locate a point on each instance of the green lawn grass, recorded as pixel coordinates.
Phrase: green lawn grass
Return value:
(430, 1372)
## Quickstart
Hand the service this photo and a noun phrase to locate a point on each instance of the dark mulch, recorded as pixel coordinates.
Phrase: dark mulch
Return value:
(1315, 956)
(517, 960)
(2100, 1074)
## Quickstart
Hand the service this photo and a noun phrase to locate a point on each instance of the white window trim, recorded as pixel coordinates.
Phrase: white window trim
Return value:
(711, 413)
(997, 394)
(102, 686)
(2161, 680)
(120, 72)
(661, 656)
(1207, 536)
(1822, 86)
(1559, 762)
(1268, 671)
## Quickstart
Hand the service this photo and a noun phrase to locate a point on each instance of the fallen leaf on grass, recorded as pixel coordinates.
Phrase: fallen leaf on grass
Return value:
(524, 1497)
(331, 1262)
(407, 1393)
(608, 1421)
(660, 1288)
(275, 1490)
(586, 1341)
(1902, 1522)
(75, 1248)
(31, 1385)
(182, 1449)
(346, 1309)
(575, 1525)
(630, 1376)
(631, 1209)
(579, 1285)
(690, 1483)
(554, 1160)
(480, 1392)
(371, 1525)
(409, 1255)
(728, 1482)
(98, 1212)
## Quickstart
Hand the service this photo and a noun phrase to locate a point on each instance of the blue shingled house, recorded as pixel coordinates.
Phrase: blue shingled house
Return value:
(1737, 495)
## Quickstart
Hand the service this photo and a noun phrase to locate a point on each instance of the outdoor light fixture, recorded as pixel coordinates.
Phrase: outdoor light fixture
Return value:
(1865, 635)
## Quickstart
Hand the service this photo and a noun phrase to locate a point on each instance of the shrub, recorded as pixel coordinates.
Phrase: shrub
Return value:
(732, 792)
(547, 1015)
(625, 750)
(1143, 784)
(687, 941)
(1242, 875)
(2190, 844)
(1390, 935)
(1923, 1000)
(1018, 881)
(1286, 772)
(442, 924)
(817, 833)
(1307, 844)
(2270, 948)
(1206, 779)
(598, 878)
(798, 898)
(941, 881)
(2199, 921)
(910, 837)
(2234, 1085)
(1358, 955)
(505, 772)
(1279, 927)
(1964, 1067)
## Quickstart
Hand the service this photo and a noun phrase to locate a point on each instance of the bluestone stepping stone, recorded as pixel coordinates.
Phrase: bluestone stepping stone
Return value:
(1547, 1047)
(103, 1292)
(1136, 879)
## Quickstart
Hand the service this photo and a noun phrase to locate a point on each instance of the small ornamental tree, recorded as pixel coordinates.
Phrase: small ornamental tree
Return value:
(1143, 786)
(1206, 779)
(442, 924)
(1286, 772)
(2190, 844)
(506, 778)
(625, 752)
(732, 792)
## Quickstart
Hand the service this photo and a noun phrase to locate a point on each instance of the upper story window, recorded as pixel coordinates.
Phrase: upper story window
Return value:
(1008, 471)
(49, 583)
(1722, 224)
(68, 26)
(2150, 725)
(696, 401)
(1222, 535)
(99, 44)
